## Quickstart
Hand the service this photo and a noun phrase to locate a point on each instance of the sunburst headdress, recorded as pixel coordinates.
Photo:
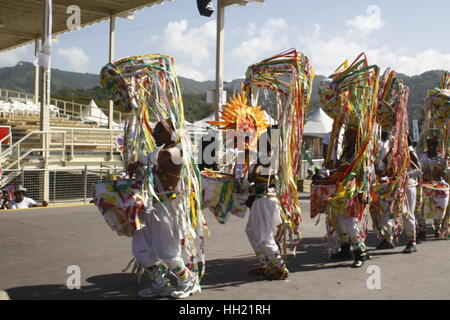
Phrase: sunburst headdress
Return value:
(246, 120)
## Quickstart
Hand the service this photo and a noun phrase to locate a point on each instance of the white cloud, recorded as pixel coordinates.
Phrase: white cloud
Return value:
(192, 47)
(328, 50)
(11, 57)
(187, 71)
(369, 22)
(430, 59)
(327, 53)
(75, 59)
(269, 40)
(251, 29)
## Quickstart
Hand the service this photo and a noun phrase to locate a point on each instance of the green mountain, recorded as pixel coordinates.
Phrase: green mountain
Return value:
(82, 87)
(21, 78)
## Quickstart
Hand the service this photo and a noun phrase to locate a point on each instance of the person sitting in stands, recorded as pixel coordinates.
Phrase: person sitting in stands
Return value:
(22, 202)
(4, 200)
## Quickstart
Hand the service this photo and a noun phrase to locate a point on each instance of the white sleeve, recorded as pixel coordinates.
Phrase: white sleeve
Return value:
(30, 202)
(152, 157)
(176, 157)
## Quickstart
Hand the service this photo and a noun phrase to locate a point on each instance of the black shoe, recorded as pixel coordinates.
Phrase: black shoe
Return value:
(344, 253)
(360, 257)
(410, 248)
(385, 245)
(422, 236)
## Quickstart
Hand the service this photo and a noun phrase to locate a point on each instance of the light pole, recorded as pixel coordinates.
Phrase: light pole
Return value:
(221, 4)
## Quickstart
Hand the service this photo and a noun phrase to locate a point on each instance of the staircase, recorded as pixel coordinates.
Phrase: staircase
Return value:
(71, 143)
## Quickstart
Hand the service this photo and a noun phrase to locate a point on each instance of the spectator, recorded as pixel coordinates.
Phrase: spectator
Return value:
(22, 202)
(4, 200)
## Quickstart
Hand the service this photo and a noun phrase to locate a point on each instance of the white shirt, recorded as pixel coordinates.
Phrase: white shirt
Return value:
(25, 203)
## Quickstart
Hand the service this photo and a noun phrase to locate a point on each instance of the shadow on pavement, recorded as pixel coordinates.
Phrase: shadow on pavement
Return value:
(221, 273)
(312, 255)
(109, 286)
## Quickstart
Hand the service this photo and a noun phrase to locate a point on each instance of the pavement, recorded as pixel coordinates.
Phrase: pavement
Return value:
(39, 247)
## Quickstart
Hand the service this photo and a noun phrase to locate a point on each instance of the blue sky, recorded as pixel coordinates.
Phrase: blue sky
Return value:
(409, 36)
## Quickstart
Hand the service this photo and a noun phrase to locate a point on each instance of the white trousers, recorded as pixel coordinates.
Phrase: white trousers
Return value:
(347, 227)
(159, 240)
(409, 221)
(263, 220)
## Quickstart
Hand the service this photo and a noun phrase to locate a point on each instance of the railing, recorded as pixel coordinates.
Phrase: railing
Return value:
(59, 139)
(66, 108)
(98, 139)
(13, 157)
(62, 185)
(76, 110)
(6, 94)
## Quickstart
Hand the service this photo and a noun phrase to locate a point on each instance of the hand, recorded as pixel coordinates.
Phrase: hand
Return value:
(132, 167)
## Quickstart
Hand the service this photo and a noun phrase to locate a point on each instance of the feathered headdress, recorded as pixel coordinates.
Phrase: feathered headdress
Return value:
(244, 119)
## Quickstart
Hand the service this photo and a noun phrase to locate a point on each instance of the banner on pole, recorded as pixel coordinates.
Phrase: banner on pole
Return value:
(44, 55)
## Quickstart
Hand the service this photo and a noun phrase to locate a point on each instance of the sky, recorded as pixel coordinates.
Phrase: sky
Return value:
(408, 36)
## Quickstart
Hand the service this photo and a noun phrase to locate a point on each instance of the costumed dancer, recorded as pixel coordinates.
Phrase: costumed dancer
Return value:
(159, 204)
(409, 219)
(265, 214)
(289, 76)
(273, 197)
(394, 193)
(349, 96)
(435, 138)
(246, 125)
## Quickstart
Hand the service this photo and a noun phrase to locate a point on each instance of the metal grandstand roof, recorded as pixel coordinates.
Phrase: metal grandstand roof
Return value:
(22, 19)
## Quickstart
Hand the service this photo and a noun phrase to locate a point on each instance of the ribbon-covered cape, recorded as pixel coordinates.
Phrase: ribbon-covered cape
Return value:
(436, 119)
(146, 88)
(349, 96)
(392, 116)
(288, 76)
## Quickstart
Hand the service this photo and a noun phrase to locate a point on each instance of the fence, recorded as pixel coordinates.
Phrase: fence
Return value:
(61, 107)
(65, 185)
(77, 110)
(72, 185)
(6, 94)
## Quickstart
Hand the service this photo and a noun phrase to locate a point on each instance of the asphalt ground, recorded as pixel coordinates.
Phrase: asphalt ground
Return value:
(39, 246)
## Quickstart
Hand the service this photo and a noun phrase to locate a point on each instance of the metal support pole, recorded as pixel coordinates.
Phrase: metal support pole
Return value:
(54, 187)
(85, 183)
(36, 74)
(219, 55)
(220, 37)
(44, 124)
(112, 44)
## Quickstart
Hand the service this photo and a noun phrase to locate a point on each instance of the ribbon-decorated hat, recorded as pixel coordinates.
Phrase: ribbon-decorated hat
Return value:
(246, 120)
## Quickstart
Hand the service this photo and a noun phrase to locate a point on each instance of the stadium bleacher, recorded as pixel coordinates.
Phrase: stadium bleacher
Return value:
(86, 141)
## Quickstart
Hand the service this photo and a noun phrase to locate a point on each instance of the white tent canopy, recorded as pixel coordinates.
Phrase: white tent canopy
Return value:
(95, 114)
(202, 125)
(318, 125)
(269, 119)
